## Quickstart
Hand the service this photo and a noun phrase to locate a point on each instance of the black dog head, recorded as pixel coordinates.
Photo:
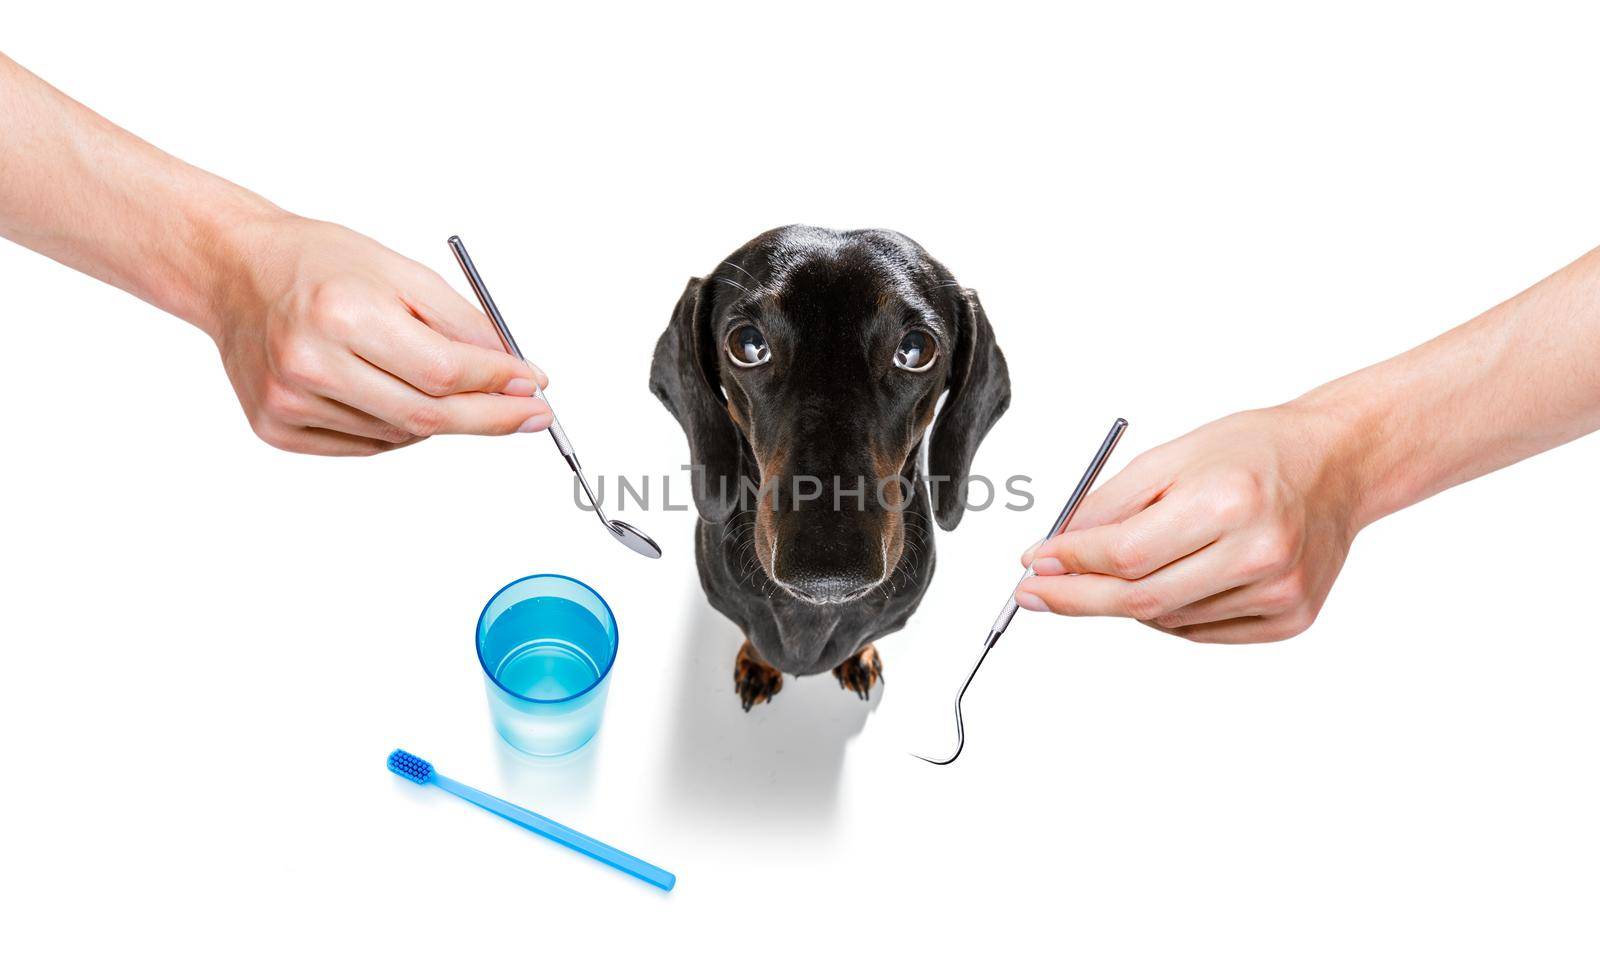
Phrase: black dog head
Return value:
(818, 354)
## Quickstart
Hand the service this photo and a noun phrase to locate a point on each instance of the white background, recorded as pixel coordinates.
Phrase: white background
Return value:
(1171, 213)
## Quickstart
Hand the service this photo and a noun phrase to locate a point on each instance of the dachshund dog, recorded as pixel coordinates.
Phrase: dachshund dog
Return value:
(805, 371)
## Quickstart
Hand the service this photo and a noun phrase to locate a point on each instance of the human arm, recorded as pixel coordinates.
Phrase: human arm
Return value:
(1235, 532)
(333, 343)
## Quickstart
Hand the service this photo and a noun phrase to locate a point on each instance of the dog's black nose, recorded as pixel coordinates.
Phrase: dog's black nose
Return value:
(828, 560)
(828, 589)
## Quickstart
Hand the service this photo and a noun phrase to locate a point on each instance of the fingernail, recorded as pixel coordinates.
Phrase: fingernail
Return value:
(1048, 566)
(538, 421)
(1030, 601)
(519, 386)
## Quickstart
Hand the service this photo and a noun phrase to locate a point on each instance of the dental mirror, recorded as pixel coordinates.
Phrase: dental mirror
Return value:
(620, 530)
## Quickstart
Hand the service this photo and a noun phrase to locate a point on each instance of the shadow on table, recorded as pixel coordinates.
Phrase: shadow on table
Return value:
(779, 763)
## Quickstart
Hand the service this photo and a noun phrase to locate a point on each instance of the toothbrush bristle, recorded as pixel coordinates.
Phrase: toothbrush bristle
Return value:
(403, 763)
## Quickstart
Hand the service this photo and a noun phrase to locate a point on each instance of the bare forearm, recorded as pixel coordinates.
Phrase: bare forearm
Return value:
(80, 190)
(333, 343)
(1235, 532)
(1519, 379)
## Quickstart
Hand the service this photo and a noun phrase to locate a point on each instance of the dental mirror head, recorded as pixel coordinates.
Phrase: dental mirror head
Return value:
(621, 531)
(634, 539)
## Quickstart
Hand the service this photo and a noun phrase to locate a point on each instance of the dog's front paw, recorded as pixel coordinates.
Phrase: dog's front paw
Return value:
(754, 679)
(860, 671)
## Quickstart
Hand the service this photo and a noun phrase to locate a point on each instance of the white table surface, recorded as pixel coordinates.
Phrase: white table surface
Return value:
(210, 646)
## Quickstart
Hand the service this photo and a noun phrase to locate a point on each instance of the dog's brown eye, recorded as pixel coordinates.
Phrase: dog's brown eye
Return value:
(748, 346)
(917, 351)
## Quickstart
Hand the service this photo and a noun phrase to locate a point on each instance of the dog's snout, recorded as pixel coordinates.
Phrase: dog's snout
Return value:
(830, 560)
(829, 589)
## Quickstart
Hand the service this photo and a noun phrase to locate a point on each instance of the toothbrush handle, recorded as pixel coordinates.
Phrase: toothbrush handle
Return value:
(582, 843)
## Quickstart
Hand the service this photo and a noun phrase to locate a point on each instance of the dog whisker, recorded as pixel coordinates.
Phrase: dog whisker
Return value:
(741, 271)
(734, 284)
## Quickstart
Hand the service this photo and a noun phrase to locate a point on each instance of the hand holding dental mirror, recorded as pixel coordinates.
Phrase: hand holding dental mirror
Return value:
(620, 530)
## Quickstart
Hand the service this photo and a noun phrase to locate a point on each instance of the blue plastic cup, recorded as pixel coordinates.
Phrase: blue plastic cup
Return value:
(547, 644)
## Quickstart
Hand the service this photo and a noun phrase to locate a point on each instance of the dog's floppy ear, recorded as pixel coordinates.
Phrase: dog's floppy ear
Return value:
(980, 391)
(683, 376)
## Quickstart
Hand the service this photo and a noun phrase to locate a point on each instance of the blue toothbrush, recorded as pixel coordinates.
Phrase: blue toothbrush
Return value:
(420, 771)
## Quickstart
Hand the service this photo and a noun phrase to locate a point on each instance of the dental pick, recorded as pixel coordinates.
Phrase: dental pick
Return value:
(1004, 620)
(624, 533)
